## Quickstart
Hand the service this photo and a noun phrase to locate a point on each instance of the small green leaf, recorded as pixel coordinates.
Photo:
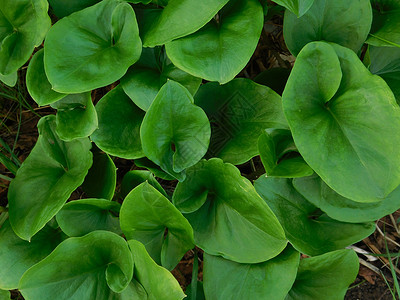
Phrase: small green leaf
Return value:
(122, 138)
(175, 133)
(298, 7)
(239, 111)
(157, 281)
(10, 80)
(90, 267)
(227, 215)
(321, 23)
(99, 44)
(62, 8)
(83, 216)
(145, 215)
(134, 178)
(349, 131)
(223, 47)
(76, 116)
(325, 277)
(225, 279)
(46, 179)
(17, 256)
(309, 230)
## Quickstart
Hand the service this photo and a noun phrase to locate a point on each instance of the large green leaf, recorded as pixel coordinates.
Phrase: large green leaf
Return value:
(332, 21)
(17, 256)
(385, 29)
(345, 122)
(157, 281)
(76, 116)
(227, 215)
(83, 216)
(274, 145)
(10, 80)
(62, 8)
(145, 78)
(46, 179)
(179, 18)
(134, 178)
(5, 295)
(309, 230)
(385, 62)
(37, 83)
(222, 48)
(101, 180)
(175, 133)
(239, 112)
(342, 209)
(298, 7)
(225, 279)
(145, 215)
(90, 267)
(119, 125)
(98, 45)
(325, 277)
(23, 26)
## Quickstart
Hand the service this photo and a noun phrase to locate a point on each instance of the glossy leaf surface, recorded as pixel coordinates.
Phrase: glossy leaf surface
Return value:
(134, 178)
(10, 79)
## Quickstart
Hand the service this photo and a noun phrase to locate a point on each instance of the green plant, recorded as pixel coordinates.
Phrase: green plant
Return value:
(328, 136)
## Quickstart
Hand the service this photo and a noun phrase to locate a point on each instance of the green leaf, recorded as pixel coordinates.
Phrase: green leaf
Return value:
(37, 83)
(23, 24)
(199, 292)
(80, 217)
(5, 295)
(385, 29)
(62, 8)
(157, 281)
(298, 7)
(10, 80)
(76, 116)
(274, 78)
(90, 267)
(222, 48)
(224, 279)
(17, 256)
(46, 179)
(145, 78)
(342, 209)
(134, 178)
(309, 230)
(144, 162)
(101, 180)
(322, 23)
(325, 277)
(179, 18)
(145, 215)
(98, 45)
(227, 215)
(119, 125)
(345, 122)
(175, 133)
(274, 145)
(239, 112)
(385, 62)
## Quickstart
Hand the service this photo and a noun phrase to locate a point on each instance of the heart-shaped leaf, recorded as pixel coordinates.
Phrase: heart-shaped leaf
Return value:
(99, 44)
(145, 215)
(175, 133)
(340, 208)
(145, 78)
(267, 280)
(37, 83)
(222, 48)
(309, 230)
(122, 139)
(94, 266)
(321, 23)
(83, 216)
(76, 116)
(345, 122)
(17, 256)
(325, 277)
(239, 112)
(134, 178)
(62, 8)
(227, 215)
(46, 179)
(298, 7)
(24, 24)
